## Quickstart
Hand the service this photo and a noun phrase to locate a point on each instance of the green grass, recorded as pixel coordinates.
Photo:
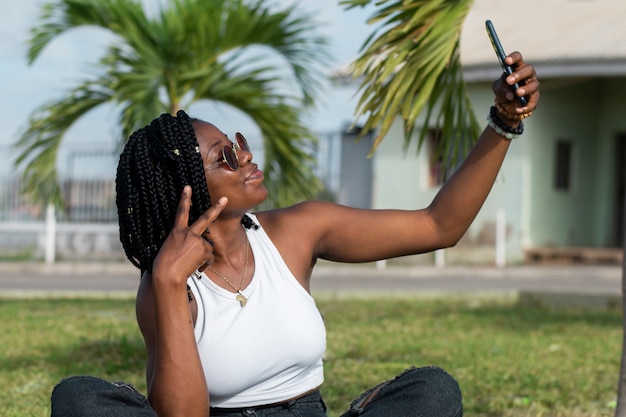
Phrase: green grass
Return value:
(509, 360)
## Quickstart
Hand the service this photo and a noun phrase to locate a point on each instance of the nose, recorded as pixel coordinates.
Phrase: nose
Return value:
(244, 157)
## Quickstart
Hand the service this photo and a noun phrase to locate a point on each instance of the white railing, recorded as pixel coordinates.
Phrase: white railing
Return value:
(88, 229)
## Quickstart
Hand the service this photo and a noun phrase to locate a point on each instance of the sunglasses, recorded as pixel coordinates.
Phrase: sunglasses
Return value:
(229, 159)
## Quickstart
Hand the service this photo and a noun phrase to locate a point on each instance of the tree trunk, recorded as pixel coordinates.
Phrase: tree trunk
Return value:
(620, 409)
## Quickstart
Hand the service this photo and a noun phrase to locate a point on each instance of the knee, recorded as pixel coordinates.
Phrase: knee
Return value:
(91, 396)
(435, 389)
(438, 379)
(70, 395)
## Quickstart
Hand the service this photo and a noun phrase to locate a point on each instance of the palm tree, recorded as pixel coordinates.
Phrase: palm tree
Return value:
(413, 68)
(235, 52)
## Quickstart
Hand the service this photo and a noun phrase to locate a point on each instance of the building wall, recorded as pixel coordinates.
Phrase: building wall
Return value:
(588, 113)
(611, 122)
(557, 217)
(401, 180)
(507, 194)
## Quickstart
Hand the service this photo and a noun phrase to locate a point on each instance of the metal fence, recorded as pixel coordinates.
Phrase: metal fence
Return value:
(87, 229)
(87, 186)
(88, 183)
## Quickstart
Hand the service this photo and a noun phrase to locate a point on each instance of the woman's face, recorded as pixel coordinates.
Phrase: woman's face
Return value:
(243, 186)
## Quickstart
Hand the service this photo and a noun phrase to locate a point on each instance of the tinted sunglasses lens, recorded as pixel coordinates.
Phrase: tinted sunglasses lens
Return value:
(230, 157)
(242, 142)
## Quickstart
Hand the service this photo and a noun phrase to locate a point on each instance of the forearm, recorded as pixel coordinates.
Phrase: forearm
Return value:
(177, 386)
(460, 199)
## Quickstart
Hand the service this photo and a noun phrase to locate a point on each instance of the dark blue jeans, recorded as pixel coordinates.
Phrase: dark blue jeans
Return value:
(417, 392)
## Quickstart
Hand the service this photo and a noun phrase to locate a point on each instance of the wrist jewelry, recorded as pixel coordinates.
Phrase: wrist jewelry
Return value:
(502, 128)
(510, 116)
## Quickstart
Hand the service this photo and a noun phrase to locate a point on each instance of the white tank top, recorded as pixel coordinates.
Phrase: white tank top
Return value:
(271, 349)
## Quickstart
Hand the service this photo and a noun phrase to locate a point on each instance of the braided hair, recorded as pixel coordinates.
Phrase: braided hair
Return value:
(157, 162)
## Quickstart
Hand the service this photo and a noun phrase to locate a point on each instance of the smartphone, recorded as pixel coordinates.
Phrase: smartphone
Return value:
(497, 46)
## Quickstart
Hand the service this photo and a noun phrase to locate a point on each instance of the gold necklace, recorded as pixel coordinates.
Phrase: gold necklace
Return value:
(240, 297)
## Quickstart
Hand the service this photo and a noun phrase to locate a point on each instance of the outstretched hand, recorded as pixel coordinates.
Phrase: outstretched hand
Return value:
(185, 249)
(523, 74)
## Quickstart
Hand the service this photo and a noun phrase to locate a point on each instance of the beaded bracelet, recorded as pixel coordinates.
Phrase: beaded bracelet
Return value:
(502, 128)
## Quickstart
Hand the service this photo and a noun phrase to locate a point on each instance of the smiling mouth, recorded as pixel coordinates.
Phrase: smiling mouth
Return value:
(256, 174)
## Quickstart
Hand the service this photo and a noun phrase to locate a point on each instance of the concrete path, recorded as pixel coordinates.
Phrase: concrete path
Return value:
(336, 280)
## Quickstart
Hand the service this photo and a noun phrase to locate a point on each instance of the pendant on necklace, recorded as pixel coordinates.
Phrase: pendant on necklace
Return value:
(241, 298)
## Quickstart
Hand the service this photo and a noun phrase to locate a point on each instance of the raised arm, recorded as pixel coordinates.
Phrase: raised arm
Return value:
(351, 235)
(458, 202)
(176, 382)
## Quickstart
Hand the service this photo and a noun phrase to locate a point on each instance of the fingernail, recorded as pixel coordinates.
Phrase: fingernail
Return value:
(223, 200)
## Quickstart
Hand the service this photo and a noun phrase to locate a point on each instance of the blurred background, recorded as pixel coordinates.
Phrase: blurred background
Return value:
(559, 197)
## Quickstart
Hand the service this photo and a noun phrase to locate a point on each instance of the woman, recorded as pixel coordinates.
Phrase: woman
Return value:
(224, 304)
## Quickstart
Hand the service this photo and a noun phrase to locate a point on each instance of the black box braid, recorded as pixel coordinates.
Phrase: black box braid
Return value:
(157, 162)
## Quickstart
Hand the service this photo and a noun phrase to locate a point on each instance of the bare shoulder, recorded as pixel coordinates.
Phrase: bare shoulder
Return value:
(309, 218)
(303, 215)
(346, 234)
(297, 231)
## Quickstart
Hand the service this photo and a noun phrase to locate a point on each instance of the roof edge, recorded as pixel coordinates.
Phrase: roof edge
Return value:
(553, 69)
(545, 69)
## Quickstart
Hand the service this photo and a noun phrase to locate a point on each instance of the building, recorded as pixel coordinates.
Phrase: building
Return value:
(561, 189)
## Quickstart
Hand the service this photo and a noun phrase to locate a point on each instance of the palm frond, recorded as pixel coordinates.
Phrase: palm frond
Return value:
(39, 144)
(188, 50)
(59, 17)
(413, 68)
(287, 145)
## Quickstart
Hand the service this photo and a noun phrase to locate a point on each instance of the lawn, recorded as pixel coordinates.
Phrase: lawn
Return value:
(509, 360)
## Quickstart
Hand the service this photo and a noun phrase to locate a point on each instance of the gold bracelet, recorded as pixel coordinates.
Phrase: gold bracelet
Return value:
(510, 116)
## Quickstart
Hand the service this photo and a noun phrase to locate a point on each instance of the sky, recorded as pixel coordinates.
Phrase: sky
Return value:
(63, 64)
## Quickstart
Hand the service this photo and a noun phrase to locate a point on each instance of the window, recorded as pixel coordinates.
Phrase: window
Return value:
(563, 165)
